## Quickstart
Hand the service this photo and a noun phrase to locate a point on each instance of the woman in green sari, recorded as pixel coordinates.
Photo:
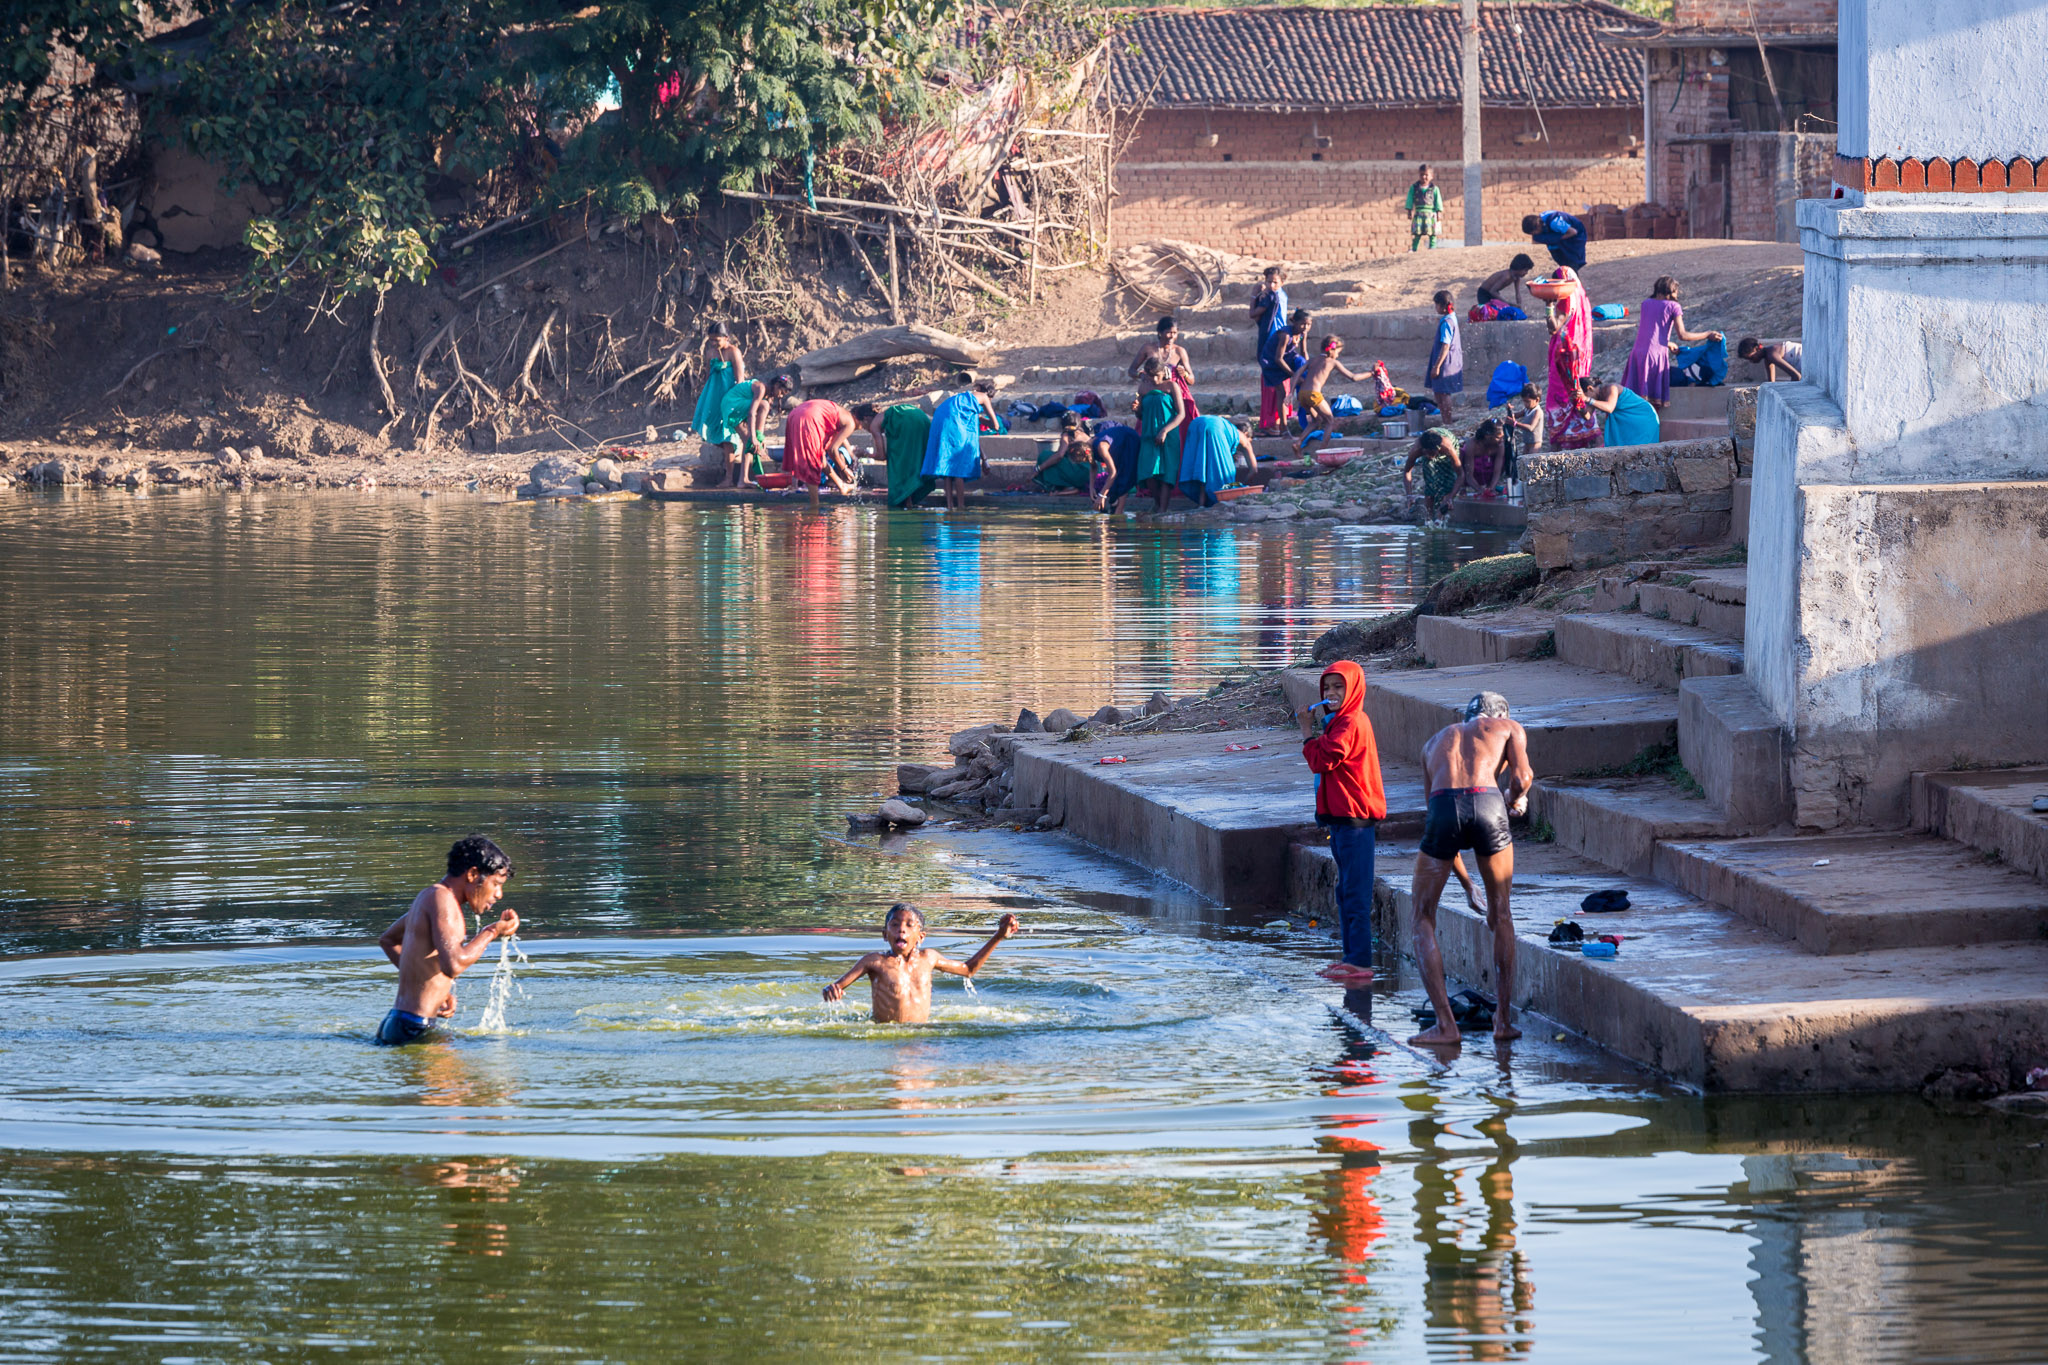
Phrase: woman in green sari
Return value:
(728, 367)
(900, 431)
(1159, 414)
(748, 408)
(1437, 452)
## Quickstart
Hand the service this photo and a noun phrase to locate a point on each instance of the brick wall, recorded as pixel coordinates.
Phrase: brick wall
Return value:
(1261, 189)
(1735, 14)
(1762, 197)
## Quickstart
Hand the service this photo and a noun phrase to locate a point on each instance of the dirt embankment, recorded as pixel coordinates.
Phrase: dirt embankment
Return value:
(111, 376)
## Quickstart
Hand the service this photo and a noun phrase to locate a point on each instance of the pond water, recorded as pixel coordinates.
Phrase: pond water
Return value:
(236, 734)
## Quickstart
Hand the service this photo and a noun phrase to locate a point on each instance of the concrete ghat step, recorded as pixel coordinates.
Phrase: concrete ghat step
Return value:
(1620, 821)
(1578, 720)
(1992, 812)
(1680, 605)
(1183, 805)
(1721, 1003)
(1452, 641)
(1877, 891)
(1649, 650)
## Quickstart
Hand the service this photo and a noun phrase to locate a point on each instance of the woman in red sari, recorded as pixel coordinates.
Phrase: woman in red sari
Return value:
(1571, 358)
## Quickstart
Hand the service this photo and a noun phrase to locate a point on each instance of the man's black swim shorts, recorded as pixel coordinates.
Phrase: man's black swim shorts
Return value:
(1465, 818)
(400, 1028)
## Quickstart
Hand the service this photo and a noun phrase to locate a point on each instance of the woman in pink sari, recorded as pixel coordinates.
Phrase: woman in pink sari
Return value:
(1571, 357)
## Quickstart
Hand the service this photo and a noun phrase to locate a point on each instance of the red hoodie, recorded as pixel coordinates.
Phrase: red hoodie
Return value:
(1345, 756)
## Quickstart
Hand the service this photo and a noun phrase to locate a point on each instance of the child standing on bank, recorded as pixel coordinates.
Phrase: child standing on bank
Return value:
(1350, 802)
(1425, 204)
(1446, 372)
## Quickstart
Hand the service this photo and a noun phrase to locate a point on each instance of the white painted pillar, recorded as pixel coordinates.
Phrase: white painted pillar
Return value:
(1475, 215)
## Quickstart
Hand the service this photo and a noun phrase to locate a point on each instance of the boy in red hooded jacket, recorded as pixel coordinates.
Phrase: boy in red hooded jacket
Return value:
(1350, 803)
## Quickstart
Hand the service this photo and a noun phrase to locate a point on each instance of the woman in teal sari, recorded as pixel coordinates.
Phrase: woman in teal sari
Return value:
(728, 367)
(1209, 458)
(1159, 416)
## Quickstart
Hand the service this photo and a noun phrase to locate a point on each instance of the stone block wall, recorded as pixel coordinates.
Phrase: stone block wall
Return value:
(1593, 507)
(1267, 187)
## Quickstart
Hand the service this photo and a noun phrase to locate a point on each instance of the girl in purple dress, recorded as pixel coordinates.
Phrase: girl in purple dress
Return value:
(1649, 364)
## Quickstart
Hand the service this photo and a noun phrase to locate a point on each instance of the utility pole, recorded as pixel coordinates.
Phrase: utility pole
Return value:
(1475, 218)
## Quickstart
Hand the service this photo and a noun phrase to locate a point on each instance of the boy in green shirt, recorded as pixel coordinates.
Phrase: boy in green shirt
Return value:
(1425, 204)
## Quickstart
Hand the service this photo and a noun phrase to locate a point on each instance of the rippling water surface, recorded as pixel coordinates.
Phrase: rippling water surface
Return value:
(237, 734)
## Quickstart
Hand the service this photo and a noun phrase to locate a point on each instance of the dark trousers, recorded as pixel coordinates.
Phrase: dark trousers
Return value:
(1353, 849)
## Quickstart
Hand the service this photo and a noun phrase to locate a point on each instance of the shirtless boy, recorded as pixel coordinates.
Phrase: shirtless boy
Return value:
(1467, 810)
(425, 943)
(901, 978)
(1310, 405)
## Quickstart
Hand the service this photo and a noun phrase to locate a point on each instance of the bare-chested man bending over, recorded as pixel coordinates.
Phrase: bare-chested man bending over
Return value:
(1467, 810)
(425, 943)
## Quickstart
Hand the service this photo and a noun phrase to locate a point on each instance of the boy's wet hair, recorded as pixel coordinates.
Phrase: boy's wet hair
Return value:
(1521, 262)
(903, 908)
(480, 853)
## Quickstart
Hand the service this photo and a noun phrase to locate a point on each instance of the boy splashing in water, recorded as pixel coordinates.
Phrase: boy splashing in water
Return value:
(425, 943)
(902, 977)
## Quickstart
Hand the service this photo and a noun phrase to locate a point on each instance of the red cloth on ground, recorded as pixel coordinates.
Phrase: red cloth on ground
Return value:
(1345, 755)
(804, 435)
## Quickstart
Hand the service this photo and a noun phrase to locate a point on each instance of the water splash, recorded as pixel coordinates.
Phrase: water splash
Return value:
(968, 982)
(502, 985)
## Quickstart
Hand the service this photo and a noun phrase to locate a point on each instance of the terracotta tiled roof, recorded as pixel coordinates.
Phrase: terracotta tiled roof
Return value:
(1374, 57)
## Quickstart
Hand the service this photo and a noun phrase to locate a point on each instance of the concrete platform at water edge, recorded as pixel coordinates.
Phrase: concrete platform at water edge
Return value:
(1699, 991)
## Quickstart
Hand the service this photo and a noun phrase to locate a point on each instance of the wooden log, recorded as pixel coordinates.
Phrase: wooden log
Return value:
(847, 360)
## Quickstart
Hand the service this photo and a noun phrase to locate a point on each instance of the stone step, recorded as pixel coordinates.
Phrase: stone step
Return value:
(1680, 605)
(1692, 428)
(1736, 750)
(1876, 891)
(1716, 1001)
(1991, 811)
(1620, 821)
(1217, 821)
(1579, 720)
(1452, 641)
(1645, 649)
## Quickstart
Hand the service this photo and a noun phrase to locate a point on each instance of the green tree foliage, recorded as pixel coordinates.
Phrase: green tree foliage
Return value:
(34, 32)
(340, 114)
(717, 92)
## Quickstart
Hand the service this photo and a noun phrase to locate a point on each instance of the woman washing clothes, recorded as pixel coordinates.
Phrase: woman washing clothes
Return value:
(1215, 455)
(1630, 419)
(812, 437)
(952, 451)
(1649, 364)
(1436, 450)
(900, 432)
(1483, 458)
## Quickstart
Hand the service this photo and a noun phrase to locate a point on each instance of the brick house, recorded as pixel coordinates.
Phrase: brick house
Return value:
(1293, 132)
(1741, 113)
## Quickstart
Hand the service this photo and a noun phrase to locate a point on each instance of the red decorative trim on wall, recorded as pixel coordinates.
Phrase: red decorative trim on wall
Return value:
(1940, 175)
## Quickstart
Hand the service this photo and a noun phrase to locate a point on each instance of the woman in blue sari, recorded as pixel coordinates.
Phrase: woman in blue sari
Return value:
(952, 452)
(1209, 458)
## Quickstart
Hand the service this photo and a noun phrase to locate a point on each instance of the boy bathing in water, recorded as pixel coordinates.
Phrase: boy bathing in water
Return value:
(902, 977)
(1311, 408)
(425, 943)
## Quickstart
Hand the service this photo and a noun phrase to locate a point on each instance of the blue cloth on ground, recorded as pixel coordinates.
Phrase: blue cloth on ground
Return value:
(1344, 405)
(1705, 364)
(1609, 312)
(1633, 422)
(1507, 381)
(953, 450)
(1507, 312)
(1208, 461)
(1393, 410)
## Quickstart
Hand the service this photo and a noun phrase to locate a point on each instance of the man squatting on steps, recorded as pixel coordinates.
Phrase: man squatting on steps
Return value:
(425, 943)
(1462, 764)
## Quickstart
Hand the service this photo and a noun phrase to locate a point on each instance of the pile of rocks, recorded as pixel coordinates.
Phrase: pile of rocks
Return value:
(228, 468)
(558, 476)
(1368, 489)
(981, 773)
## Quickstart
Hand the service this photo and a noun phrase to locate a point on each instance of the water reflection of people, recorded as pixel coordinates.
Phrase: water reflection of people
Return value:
(1477, 1298)
(1350, 1218)
(474, 1229)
